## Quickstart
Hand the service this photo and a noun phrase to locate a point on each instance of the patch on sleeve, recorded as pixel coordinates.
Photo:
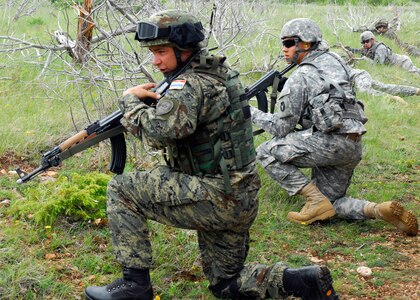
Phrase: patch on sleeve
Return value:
(177, 84)
(163, 107)
(284, 105)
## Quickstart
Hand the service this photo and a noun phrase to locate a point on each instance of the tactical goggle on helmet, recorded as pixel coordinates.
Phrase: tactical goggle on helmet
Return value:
(185, 36)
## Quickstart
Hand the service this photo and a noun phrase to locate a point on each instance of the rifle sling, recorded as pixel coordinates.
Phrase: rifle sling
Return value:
(273, 96)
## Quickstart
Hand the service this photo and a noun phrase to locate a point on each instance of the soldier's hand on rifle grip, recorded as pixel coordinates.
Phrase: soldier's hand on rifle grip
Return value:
(143, 91)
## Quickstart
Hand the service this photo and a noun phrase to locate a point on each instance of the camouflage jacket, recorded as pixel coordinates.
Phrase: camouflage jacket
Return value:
(304, 84)
(183, 110)
(378, 53)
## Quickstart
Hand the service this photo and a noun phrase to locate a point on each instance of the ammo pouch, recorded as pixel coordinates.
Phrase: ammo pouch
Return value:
(361, 109)
(223, 142)
(327, 114)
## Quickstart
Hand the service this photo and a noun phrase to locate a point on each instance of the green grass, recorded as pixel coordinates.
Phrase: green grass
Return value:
(57, 260)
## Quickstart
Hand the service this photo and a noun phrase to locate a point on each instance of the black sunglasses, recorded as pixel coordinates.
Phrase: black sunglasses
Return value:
(289, 43)
(365, 41)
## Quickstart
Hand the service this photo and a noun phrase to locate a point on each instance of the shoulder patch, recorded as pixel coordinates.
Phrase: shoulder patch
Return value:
(177, 84)
(284, 105)
(163, 107)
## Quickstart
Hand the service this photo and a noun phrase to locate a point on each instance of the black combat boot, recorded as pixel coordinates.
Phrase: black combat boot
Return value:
(309, 283)
(135, 285)
(226, 289)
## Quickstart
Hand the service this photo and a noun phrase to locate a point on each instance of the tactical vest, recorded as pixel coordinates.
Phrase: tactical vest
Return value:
(372, 52)
(224, 142)
(327, 110)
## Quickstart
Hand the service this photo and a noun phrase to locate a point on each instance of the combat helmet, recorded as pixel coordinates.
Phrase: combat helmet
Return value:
(305, 29)
(171, 27)
(366, 35)
(381, 23)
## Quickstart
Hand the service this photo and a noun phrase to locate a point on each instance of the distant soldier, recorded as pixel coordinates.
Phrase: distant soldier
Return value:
(363, 82)
(382, 28)
(377, 52)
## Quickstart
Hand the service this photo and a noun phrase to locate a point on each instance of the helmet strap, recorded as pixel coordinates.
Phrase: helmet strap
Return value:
(179, 63)
(300, 50)
(178, 54)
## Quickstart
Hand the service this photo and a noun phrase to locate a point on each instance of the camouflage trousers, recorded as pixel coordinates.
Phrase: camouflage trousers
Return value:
(177, 199)
(404, 62)
(365, 83)
(411, 50)
(257, 281)
(331, 157)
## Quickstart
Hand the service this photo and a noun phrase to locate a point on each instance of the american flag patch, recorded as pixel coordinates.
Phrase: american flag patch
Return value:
(177, 84)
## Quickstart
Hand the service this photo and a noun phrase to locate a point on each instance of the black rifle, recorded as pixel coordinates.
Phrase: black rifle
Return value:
(259, 89)
(106, 128)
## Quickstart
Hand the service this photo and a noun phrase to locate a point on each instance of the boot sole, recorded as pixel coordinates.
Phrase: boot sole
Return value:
(87, 297)
(406, 221)
(325, 280)
(322, 217)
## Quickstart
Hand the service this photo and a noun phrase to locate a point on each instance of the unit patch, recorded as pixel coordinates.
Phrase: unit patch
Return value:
(285, 108)
(177, 84)
(163, 107)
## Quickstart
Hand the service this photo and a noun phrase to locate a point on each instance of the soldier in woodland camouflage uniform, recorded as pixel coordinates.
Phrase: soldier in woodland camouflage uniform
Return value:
(319, 98)
(210, 183)
(376, 52)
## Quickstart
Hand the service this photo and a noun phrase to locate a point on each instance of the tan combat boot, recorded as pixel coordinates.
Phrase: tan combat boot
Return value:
(317, 207)
(418, 92)
(393, 213)
(399, 100)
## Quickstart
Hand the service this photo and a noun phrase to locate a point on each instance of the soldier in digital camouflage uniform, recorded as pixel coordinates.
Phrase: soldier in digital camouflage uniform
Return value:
(318, 98)
(210, 183)
(377, 52)
(382, 28)
(363, 82)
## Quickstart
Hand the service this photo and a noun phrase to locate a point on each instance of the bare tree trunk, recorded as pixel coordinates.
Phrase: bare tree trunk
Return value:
(84, 32)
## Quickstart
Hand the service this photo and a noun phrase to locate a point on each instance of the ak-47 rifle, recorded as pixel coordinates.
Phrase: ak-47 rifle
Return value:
(106, 128)
(259, 89)
(111, 128)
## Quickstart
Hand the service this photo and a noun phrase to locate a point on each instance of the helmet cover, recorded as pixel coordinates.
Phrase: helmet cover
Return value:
(366, 35)
(172, 27)
(305, 29)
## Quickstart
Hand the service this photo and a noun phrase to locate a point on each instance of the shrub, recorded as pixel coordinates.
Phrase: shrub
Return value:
(36, 21)
(78, 198)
